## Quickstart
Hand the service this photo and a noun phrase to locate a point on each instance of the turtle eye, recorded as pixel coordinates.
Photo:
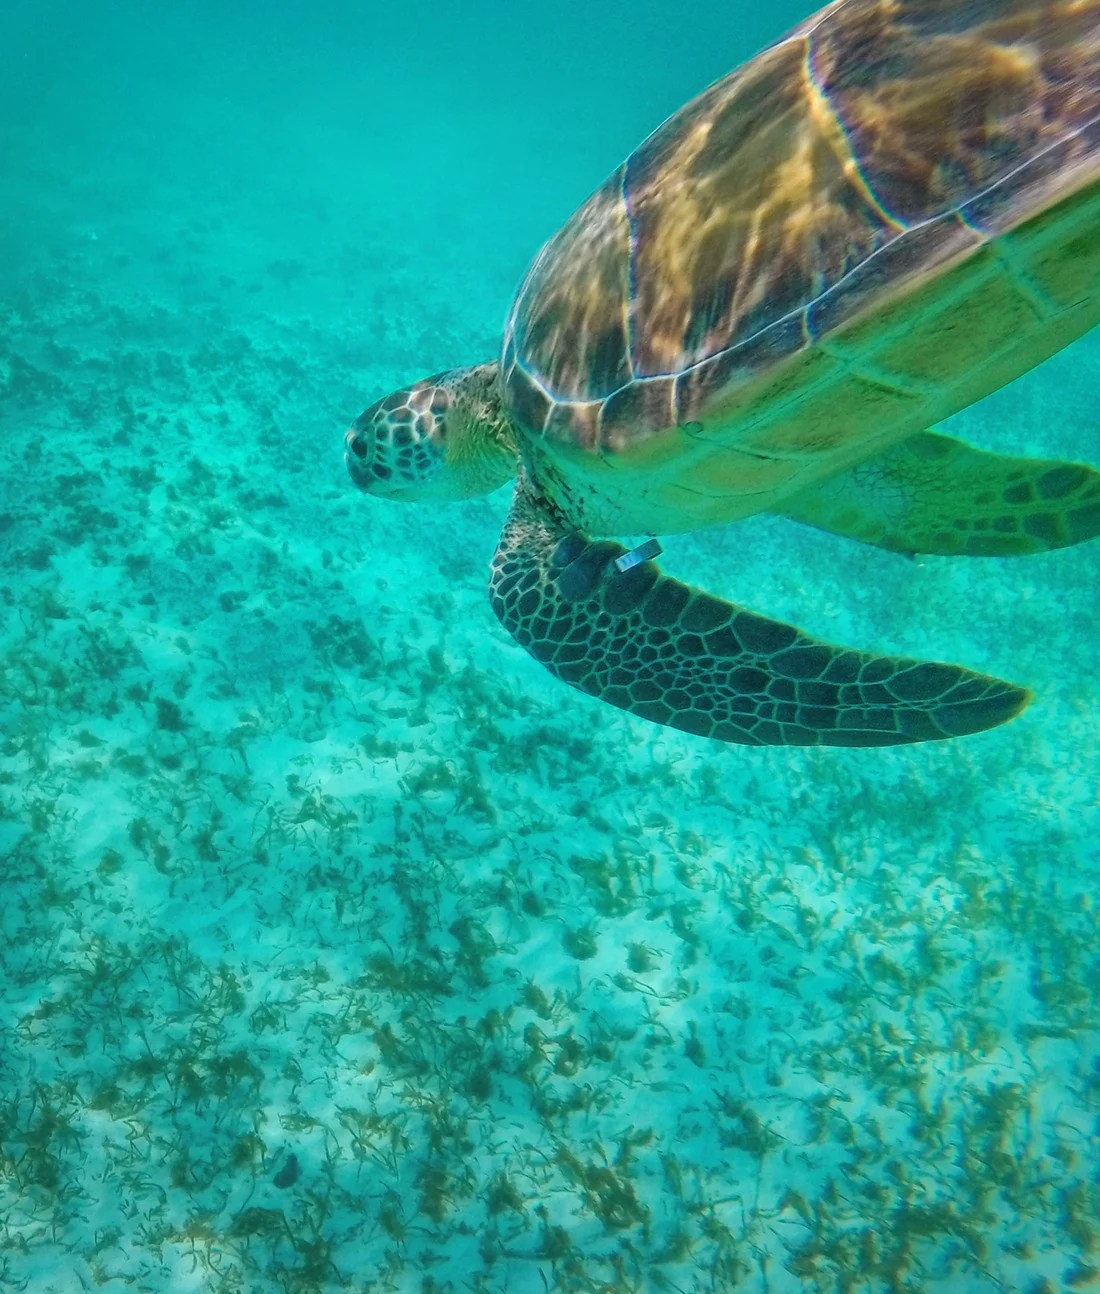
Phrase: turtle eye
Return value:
(396, 447)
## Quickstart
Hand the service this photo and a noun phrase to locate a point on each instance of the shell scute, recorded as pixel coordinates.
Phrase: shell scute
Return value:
(569, 323)
(743, 211)
(863, 155)
(1021, 77)
(932, 245)
(526, 398)
(647, 403)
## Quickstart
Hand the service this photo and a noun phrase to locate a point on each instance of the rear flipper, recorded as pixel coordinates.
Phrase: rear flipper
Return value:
(678, 656)
(934, 494)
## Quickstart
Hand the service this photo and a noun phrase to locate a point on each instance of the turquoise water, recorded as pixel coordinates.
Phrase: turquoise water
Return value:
(341, 947)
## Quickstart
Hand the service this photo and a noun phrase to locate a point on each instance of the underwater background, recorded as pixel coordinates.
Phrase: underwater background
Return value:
(340, 947)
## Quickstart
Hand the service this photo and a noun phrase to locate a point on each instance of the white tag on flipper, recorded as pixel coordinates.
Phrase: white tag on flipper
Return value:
(643, 553)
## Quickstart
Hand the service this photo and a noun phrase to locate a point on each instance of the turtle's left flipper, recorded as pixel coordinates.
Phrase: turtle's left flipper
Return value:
(675, 655)
(935, 494)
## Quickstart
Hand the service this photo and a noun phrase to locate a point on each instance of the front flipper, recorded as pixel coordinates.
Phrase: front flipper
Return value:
(678, 656)
(935, 494)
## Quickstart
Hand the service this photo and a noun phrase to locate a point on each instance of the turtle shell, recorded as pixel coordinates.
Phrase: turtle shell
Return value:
(872, 150)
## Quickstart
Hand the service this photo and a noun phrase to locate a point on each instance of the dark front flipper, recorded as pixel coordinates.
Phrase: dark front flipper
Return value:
(676, 655)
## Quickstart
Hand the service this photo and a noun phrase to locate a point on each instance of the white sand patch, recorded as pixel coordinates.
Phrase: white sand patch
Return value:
(343, 949)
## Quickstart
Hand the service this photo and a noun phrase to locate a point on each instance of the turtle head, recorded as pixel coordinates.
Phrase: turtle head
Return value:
(445, 437)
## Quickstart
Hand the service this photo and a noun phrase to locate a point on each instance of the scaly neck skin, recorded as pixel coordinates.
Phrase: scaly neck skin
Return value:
(486, 448)
(482, 444)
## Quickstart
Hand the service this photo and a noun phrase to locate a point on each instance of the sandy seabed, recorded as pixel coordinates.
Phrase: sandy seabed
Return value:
(343, 949)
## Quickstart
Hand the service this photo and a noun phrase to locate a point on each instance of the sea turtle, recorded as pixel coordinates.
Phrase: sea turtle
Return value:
(878, 220)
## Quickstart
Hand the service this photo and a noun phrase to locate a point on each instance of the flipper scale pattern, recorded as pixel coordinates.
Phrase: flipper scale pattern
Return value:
(675, 655)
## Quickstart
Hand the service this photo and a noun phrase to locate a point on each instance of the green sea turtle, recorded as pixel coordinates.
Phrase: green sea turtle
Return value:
(880, 219)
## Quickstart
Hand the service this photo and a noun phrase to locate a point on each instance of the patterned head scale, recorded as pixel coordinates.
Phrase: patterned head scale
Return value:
(398, 446)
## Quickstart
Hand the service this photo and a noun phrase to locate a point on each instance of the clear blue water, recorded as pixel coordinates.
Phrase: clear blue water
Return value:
(341, 947)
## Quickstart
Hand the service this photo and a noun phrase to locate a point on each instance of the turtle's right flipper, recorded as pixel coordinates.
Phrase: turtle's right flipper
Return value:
(934, 494)
(673, 654)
